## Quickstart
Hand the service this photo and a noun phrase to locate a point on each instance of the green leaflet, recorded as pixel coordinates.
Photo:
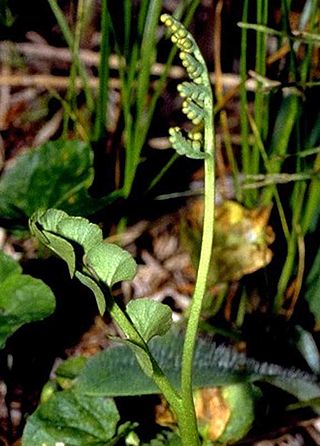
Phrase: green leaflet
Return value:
(110, 263)
(185, 146)
(94, 287)
(80, 244)
(43, 225)
(73, 420)
(151, 319)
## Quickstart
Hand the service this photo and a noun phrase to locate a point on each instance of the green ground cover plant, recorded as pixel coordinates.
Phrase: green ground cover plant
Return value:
(292, 134)
(279, 159)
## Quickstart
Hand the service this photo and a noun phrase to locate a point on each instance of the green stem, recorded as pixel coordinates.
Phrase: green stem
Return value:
(203, 269)
(286, 272)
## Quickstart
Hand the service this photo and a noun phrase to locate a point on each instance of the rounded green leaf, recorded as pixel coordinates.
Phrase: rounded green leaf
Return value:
(50, 219)
(240, 399)
(73, 420)
(23, 299)
(150, 318)
(43, 225)
(110, 263)
(80, 230)
(56, 174)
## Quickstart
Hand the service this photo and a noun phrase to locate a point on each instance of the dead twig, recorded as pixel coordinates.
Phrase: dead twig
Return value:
(91, 58)
(48, 81)
(4, 89)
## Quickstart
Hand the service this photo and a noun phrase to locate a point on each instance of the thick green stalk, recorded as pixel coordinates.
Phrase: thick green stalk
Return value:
(204, 262)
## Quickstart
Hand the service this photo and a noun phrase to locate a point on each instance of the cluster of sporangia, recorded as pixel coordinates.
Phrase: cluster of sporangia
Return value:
(194, 93)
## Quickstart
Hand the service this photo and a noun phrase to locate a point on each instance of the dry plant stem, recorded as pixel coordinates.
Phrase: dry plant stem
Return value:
(4, 89)
(32, 51)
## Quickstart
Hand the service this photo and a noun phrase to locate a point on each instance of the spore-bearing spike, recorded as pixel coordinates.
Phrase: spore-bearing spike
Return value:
(192, 111)
(195, 136)
(193, 67)
(185, 146)
(195, 92)
(180, 36)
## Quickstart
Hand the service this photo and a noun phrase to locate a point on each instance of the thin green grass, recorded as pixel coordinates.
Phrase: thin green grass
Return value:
(138, 100)
(244, 123)
(285, 139)
(77, 67)
(260, 102)
(104, 72)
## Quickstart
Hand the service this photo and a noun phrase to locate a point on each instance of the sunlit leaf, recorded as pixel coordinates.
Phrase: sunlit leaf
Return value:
(42, 226)
(80, 244)
(73, 420)
(110, 263)
(150, 318)
(81, 231)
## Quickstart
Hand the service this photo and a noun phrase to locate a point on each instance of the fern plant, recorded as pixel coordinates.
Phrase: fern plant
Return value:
(99, 265)
(198, 107)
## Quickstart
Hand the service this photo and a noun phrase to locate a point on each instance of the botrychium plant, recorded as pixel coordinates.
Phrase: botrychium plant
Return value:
(99, 265)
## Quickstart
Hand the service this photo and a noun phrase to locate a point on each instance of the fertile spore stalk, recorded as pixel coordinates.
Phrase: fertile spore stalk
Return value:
(198, 107)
